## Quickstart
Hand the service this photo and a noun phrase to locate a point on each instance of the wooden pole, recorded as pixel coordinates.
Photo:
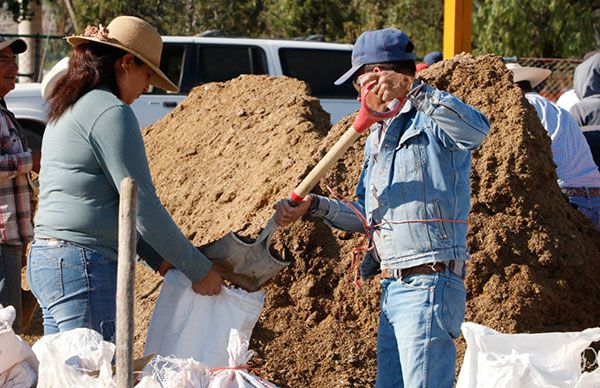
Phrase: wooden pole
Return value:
(125, 281)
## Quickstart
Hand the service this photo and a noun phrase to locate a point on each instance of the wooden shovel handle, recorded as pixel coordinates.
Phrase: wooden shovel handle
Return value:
(330, 158)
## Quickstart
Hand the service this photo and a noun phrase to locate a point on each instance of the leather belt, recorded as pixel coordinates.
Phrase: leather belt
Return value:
(582, 191)
(423, 269)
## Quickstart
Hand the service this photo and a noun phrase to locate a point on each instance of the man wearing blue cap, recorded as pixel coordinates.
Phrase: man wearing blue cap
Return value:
(432, 57)
(414, 194)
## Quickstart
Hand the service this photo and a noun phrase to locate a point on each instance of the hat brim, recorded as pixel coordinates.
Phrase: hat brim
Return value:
(158, 79)
(535, 75)
(18, 45)
(347, 75)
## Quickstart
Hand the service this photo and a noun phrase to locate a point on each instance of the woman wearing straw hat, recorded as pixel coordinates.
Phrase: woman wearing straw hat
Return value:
(92, 142)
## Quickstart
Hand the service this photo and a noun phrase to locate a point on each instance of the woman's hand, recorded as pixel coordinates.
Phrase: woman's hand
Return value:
(285, 213)
(209, 284)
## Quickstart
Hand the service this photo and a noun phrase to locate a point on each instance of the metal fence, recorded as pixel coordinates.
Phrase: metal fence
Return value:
(45, 50)
(561, 78)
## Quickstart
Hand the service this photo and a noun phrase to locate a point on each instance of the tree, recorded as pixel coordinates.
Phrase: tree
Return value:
(422, 20)
(535, 28)
(17, 9)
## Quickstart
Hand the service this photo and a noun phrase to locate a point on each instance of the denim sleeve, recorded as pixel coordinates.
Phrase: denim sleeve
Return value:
(458, 125)
(342, 215)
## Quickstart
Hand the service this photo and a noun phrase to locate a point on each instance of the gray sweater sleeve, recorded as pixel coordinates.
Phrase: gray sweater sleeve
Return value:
(119, 148)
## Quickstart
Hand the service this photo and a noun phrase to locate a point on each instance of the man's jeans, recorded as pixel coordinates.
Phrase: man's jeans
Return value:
(420, 317)
(590, 207)
(75, 286)
(10, 280)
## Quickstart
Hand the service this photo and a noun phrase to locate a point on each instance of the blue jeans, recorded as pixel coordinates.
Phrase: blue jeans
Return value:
(10, 280)
(420, 317)
(589, 207)
(75, 287)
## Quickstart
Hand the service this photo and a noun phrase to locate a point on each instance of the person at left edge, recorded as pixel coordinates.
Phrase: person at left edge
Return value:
(92, 142)
(16, 163)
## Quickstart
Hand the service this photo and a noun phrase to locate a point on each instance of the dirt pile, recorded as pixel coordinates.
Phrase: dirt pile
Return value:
(535, 259)
(227, 153)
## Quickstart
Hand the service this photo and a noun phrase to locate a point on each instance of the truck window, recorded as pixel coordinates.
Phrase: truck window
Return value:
(171, 63)
(221, 63)
(319, 69)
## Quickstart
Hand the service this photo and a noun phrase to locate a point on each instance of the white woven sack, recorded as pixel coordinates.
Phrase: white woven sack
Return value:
(188, 325)
(544, 360)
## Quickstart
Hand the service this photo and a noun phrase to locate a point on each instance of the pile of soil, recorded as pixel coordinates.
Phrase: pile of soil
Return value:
(535, 259)
(230, 151)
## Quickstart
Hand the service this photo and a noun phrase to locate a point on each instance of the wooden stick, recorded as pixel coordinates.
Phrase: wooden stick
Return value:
(125, 281)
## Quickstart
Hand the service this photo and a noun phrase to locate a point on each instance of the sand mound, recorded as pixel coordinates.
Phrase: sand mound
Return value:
(535, 259)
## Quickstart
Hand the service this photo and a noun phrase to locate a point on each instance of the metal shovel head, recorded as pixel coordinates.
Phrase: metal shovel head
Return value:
(245, 264)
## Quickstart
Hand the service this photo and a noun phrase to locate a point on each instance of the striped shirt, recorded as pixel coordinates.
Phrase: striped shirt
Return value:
(15, 196)
(575, 165)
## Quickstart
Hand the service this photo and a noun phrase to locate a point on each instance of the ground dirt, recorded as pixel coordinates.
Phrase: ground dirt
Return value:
(230, 151)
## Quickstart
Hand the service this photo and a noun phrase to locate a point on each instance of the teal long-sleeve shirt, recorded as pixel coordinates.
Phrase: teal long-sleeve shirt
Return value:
(85, 155)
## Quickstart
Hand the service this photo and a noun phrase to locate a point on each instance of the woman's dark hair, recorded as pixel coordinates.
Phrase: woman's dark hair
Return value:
(90, 65)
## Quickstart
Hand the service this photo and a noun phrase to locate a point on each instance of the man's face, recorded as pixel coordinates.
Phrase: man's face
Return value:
(8, 71)
(372, 101)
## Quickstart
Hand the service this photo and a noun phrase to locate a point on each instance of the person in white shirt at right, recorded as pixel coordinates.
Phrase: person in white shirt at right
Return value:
(578, 175)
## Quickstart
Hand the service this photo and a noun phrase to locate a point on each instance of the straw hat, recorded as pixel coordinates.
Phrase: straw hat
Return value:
(535, 75)
(135, 36)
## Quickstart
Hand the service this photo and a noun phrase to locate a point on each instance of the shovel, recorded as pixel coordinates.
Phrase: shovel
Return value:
(250, 264)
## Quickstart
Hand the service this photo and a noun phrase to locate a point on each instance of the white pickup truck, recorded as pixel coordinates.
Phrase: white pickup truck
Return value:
(191, 61)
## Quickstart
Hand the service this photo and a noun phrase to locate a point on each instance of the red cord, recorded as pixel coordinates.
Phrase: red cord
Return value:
(358, 252)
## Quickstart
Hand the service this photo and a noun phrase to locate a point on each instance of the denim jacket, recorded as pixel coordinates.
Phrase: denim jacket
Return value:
(414, 188)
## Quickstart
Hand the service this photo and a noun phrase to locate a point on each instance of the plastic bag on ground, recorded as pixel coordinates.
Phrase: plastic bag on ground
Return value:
(18, 363)
(171, 372)
(236, 376)
(187, 325)
(66, 357)
(544, 360)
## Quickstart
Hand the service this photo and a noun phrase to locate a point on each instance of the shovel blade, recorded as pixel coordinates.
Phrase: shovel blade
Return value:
(245, 264)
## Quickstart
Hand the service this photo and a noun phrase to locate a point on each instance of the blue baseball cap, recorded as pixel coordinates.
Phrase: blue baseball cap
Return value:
(379, 46)
(432, 57)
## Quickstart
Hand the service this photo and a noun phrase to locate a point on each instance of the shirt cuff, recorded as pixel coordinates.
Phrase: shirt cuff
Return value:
(319, 207)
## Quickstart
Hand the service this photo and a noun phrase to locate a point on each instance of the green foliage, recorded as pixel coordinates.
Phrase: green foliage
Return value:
(18, 10)
(535, 28)
(540, 28)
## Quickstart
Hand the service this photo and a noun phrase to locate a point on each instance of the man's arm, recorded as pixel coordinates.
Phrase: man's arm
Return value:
(464, 126)
(461, 125)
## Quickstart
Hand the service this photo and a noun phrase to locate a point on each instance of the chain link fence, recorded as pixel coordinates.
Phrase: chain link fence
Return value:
(43, 51)
(559, 81)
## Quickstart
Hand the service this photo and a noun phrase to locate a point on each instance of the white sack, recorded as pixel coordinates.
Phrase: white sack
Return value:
(544, 360)
(65, 357)
(171, 372)
(235, 376)
(185, 324)
(18, 363)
